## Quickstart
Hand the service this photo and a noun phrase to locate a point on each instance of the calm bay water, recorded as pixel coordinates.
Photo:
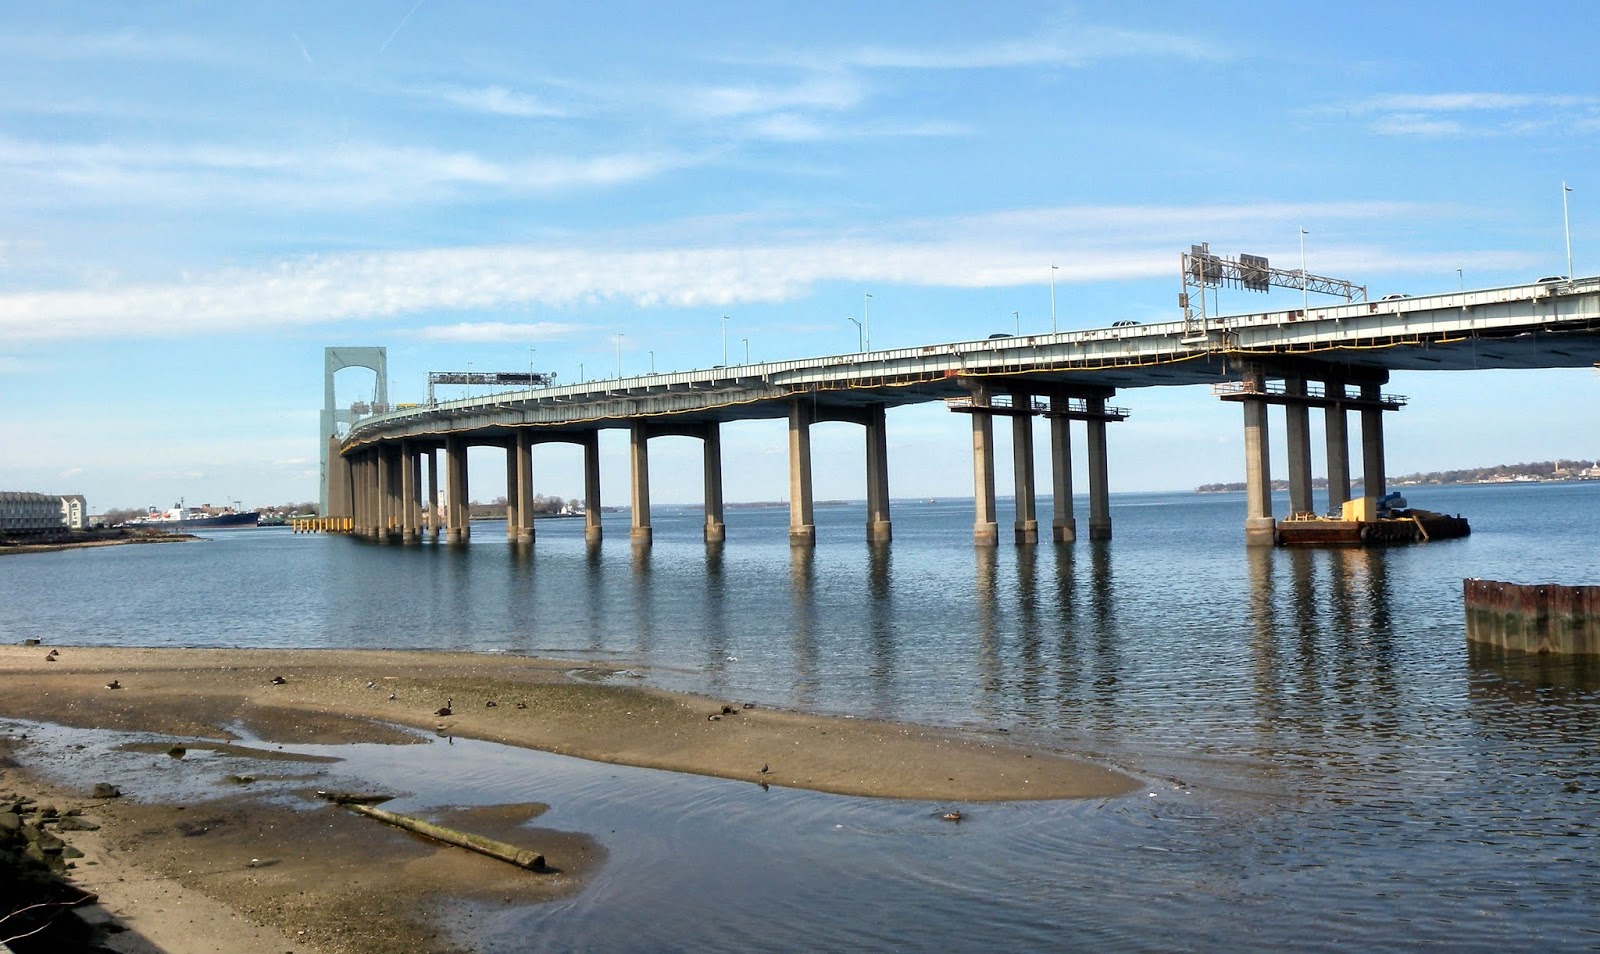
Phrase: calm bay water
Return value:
(1331, 765)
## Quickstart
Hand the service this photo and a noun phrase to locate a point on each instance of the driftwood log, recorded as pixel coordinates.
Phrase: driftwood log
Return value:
(511, 854)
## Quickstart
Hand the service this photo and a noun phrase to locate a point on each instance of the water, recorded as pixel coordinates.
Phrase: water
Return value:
(1332, 766)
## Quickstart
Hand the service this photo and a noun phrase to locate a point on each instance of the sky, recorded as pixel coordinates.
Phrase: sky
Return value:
(197, 198)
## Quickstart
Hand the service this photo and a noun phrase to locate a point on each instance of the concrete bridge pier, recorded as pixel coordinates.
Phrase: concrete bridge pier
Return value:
(1099, 474)
(519, 488)
(1297, 430)
(1259, 527)
(435, 517)
(358, 494)
(372, 513)
(1063, 526)
(1338, 441)
(716, 531)
(591, 487)
(802, 512)
(1026, 526)
(458, 522)
(879, 527)
(639, 530)
(985, 528)
(1372, 470)
(408, 493)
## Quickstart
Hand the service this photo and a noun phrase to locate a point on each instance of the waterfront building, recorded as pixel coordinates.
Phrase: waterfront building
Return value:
(26, 512)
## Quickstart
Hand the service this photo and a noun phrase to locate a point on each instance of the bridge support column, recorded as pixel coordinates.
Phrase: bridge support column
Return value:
(802, 516)
(408, 493)
(1026, 527)
(458, 516)
(711, 458)
(388, 493)
(879, 528)
(435, 515)
(985, 529)
(369, 494)
(1259, 526)
(1063, 526)
(639, 501)
(1338, 441)
(519, 488)
(340, 501)
(1297, 430)
(1372, 469)
(591, 487)
(358, 490)
(1099, 472)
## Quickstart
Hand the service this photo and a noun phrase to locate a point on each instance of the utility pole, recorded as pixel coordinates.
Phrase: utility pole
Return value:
(1053, 299)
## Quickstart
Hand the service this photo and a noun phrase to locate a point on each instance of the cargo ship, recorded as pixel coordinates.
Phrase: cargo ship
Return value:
(181, 517)
(1370, 521)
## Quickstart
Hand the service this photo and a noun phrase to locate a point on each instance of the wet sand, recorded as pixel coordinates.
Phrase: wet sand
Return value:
(387, 883)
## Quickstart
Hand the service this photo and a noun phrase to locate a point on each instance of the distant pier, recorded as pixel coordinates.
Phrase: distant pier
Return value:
(1534, 618)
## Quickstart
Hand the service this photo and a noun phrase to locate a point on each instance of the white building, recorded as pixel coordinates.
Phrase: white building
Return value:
(25, 512)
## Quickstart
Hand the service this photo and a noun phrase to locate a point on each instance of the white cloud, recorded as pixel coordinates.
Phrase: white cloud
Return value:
(995, 251)
(1068, 46)
(1477, 114)
(349, 175)
(499, 101)
(491, 331)
(829, 92)
(1469, 102)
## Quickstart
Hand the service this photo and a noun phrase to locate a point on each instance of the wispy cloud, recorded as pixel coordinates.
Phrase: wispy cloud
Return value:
(499, 101)
(995, 251)
(1069, 45)
(343, 176)
(1477, 114)
(491, 331)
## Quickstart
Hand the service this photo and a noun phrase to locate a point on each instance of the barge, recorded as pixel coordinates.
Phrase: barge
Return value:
(1370, 521)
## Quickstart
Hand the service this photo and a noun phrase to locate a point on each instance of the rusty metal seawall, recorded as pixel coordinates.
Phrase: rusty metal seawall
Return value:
(1534, 618)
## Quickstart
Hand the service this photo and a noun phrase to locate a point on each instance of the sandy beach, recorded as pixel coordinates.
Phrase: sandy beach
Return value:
(337, 696)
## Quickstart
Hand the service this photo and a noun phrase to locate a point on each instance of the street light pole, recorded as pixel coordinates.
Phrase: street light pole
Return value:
(724, 340)
(746, 349)
(866, 317)
(1053, 299)
(530, 367)
(1017, 317)
(652, 362)
(1566, 222)
(619, 356)
(1305, 292)
(860, 344)
(1461, 281)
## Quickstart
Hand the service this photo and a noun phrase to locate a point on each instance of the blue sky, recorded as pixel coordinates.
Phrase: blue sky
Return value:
(198, 198)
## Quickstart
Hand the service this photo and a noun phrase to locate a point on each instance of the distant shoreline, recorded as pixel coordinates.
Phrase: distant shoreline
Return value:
(83, 539)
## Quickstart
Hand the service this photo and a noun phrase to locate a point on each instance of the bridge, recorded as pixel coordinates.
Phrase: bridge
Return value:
(1335, 358)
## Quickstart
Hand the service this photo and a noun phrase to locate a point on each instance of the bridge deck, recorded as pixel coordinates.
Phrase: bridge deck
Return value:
(1542, 325)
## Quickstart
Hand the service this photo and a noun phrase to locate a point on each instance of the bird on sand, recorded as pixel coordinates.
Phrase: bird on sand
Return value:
(446, 709)
(391, 697)
(490, 704)
(278, 680)
(764, 769)
(114, 684)
(522, 705)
